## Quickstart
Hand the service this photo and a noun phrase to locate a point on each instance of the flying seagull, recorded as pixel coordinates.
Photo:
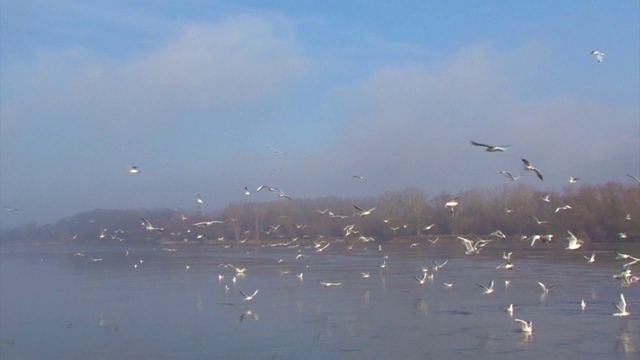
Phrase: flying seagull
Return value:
(249, 297)
(528, 166)
(574, 242)
(487, 290)
(133, 169)
(491, 148)
(363, 212)
(621, 307)
(148, 226)
(8, 209)
(599, 55)
(200, 200)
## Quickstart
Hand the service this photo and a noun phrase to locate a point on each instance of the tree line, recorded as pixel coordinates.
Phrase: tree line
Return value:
(600, 213)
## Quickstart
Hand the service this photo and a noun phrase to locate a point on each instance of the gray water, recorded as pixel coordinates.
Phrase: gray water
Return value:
(54, 305)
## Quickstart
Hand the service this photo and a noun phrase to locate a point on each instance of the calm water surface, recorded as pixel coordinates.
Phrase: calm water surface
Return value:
(54, 305)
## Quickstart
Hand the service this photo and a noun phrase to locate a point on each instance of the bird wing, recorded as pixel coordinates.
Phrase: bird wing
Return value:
(538, 173)
(526, 162)
(479, 144)
(358, 208)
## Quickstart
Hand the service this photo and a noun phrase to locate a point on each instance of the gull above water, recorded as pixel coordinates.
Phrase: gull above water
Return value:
(249, 297)
(621, 307)
(574, 242)
(487, 290)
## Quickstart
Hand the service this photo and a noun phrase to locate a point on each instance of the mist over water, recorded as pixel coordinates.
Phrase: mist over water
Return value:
(55, 305)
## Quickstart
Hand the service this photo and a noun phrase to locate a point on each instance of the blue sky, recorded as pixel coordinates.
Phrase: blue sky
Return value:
(195, 93)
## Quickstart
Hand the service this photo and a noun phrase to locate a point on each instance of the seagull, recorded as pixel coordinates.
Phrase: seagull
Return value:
(528, 166)
(439, 266)
(246, 191)
(429, 227)
(8, 209)
(583, 304)
(546, 198)
(540, 222)
(507, 255)
(448, 285)
(363, 212)
(509, 176)
(505, 266)
(422, 280)
(573, 180)
(133, 170)
(208, 223)
(574, 242)
(621, 307)
(452, 203)
(249, 297)
(509, 309)
(545, 288)
(487, 290)
(147, 225)
(525, 326)
(622, 235)
(248, 312)
(329, 284)
(591, 259)
(434, 241)
(491, 148)
(599, 55)
(365, 275)
(634, 178)
(471, 247)
(499, 234)
(358, 177)
(200, 200)
(564, 207)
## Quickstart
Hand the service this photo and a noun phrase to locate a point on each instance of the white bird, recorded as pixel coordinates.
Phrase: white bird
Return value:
(491, 148)
(329, 284)
(621, 307)
(200, 200)
(509, 309)
(574, 242)
(133, 169)
(540, 222)
(564, 207)
(529, 167)
(358, 177)
(448, 285)
(148, 226)
(439, 266)
(525, 326)
(505, 266)
(583, 304)
(434, 241)
(591, 259)
(246, 191)
(507, 255)
(249, 297)
(363, 212)
(573, 180)
(429, 227)
(365, 275)
(546, 198)
(452, 203)
(208, 223)
(487, 290)
(471, 247)
(545, 288)
(509, 176)
(599, 55)
(422, 280)
(622, 235)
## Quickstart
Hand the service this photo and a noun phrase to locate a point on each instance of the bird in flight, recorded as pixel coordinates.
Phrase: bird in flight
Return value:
(621, 307)
(249, 297)
(148, 226)
(363, 212)
(200, 200)
(487, 290)
(133, 169)
(528, 166)
(599, 55)
(491, 148)
(8, 209)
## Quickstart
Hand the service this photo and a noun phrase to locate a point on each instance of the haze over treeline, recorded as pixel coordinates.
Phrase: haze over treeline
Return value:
(598, 213)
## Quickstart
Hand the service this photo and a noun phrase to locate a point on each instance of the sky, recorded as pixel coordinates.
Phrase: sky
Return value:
(197, 94)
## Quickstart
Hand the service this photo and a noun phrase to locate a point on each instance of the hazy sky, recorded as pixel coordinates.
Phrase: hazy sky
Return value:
(195, 93)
